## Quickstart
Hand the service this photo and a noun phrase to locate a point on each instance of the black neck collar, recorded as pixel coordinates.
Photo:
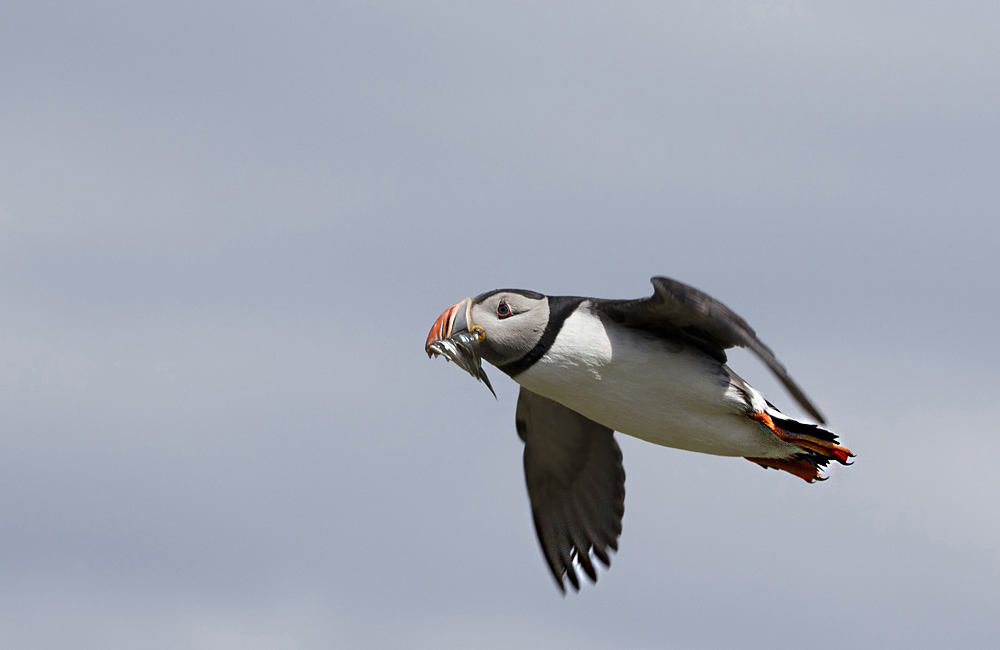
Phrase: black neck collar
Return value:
(560, 308)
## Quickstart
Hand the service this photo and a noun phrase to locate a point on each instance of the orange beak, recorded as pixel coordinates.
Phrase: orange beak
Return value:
(454, 319)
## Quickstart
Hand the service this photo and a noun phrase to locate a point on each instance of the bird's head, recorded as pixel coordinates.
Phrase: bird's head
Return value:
(506, 322)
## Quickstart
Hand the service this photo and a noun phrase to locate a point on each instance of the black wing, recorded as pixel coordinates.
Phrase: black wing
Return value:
(576, 484)
(679, 311)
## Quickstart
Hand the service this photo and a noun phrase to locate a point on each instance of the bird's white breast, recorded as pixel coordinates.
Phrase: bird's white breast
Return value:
(644, 386)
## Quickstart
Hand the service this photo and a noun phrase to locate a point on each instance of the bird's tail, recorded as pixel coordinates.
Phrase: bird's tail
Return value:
(818, 446)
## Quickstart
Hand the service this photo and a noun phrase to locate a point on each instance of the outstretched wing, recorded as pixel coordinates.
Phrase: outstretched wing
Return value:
(576, 485)
(676, 310)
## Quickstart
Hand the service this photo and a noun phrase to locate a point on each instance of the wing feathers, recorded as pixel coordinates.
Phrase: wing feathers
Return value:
(576, 485)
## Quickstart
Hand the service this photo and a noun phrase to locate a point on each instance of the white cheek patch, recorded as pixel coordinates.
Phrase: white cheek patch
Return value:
(511, 338)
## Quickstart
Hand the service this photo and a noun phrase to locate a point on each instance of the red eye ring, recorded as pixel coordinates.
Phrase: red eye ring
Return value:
(503, 310)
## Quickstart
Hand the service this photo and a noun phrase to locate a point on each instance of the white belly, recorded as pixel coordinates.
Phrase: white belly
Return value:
(648, 388)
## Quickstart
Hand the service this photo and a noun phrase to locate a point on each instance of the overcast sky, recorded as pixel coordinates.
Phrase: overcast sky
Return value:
(226, 228)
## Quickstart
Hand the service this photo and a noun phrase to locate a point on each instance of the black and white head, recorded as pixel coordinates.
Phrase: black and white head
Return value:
(509, 323)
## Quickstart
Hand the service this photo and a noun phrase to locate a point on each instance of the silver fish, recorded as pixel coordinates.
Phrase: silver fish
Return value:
(463, 349)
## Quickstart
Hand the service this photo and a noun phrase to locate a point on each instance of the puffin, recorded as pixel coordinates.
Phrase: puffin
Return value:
(653, 368)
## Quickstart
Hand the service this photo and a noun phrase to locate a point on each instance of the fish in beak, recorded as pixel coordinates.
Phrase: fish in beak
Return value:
(457, 339)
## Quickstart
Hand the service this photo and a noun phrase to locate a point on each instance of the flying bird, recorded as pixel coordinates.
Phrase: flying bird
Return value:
(654, 368)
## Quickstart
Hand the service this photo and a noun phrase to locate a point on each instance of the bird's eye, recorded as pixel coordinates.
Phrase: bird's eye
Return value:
(503, 310)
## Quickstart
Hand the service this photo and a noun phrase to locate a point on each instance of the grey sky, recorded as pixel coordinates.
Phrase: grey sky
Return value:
(225, 231)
